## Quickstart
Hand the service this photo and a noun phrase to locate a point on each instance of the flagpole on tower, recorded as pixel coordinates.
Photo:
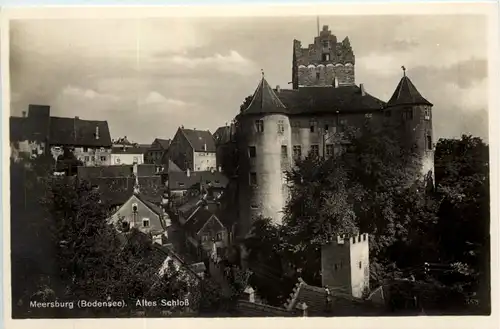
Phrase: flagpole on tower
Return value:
(317, 24)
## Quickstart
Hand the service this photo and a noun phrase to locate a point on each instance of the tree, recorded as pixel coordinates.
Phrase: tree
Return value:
(246, 103)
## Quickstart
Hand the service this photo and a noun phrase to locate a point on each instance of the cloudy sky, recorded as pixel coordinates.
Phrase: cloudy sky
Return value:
(147, 77)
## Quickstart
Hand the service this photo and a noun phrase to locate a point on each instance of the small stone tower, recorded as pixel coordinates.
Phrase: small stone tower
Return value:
(323, 63)
(413, 114)
(345, 264)
(264, 154)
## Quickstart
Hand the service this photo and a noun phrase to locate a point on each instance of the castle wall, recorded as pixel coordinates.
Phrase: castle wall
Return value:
(345, 264)
(322, 75)
(418, 132)
(268, 196)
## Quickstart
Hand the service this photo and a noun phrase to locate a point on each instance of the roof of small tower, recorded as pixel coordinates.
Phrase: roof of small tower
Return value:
(265, 100)
(407, 94)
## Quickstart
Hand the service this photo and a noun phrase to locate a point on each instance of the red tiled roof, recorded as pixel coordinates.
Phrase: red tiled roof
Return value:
(78, 132)
(264, 100)
(407, 94)
(317, 100)
(200, 140)
(329, 302)
(248, 309)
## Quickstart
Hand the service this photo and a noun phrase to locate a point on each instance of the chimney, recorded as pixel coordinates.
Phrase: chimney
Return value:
(362, 89)
(96, 132)
(24, 114)
(77, 117)
(303, 308)
(250, 292)
(188, 172)
(278, 89)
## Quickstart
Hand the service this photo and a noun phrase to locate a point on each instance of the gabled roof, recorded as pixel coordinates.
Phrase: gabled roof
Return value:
(32, 129)
(180, 181)
(200, 140)
(321, 301)
(249, 309)
(154, 208)
(222, 135)
(318, 100)
(201, 216)
(265, 100)
(78, 132)
(407, 94)
(164, 143)
(116, 171)
(127, 150)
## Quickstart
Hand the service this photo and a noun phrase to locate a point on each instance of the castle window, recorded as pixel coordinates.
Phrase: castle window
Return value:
(252, 151)
(359, 264)
(427, 113)
(329, 150)
(259, 126)
(429, 142)
(317, 75)
(281, 127)
(314, 150)
(313, 125)
(326, 57)
(408, 114)
(326, 43)
(253, 179)
(297, 151)
(284, 151)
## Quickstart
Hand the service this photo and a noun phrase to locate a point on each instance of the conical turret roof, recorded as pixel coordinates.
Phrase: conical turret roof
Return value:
(407, 94)
(265, 100)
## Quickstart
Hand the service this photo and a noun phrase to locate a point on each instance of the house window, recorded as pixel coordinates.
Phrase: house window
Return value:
(145, 222)
(125, 225)
(297, 151)
(252, 151)
(85, 149)
(103, 158)
(326, 57)
(429, 142)
(205, 238)
(313, 125)
(281, 127)
(314, 150)
(368, 115)
(259, 126)
(343, 122)
(329, 150)
(427, 113)
(253, 179)
(136, 159)
(326, 127)
(284, 151)
(218, 237)
(93, 158)
(86, 158)
(408, 114)
(181, 184)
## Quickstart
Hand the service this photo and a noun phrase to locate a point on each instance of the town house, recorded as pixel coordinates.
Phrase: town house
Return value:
(192, 149)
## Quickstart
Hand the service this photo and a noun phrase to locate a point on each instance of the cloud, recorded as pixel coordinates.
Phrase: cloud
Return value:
(157, 98)
(233, 62)
(89, 94)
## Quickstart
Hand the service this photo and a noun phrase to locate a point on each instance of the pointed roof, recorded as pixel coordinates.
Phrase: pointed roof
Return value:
(265, 100)
(407, 94)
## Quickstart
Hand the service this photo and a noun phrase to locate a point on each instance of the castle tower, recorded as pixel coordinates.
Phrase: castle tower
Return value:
(413, 113)
(322, 62)
(264, 155)
(345, 265)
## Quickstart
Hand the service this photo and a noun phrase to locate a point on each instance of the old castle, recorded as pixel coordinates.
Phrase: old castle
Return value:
(281, 125)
